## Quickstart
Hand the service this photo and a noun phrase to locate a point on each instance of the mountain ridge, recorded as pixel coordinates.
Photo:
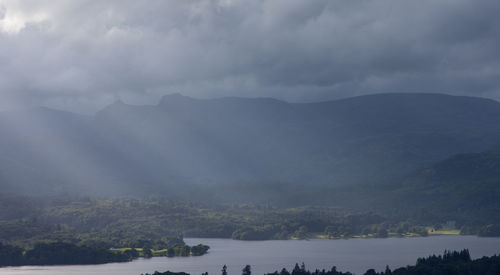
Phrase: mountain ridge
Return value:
(157, 148)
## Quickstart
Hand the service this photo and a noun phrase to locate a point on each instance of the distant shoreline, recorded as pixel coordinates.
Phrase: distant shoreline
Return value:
(320, 236)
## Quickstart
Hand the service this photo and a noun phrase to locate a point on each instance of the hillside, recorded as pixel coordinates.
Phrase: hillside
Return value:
(181, 142)
(464, 188)
(464, 185)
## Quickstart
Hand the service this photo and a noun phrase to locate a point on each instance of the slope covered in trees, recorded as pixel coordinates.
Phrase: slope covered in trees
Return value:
(464, 188)
(145, 223)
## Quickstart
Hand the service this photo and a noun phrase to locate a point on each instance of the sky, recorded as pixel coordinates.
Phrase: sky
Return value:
(83, 55)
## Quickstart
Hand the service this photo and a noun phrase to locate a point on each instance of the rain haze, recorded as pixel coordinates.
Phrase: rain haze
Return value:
(127, 126)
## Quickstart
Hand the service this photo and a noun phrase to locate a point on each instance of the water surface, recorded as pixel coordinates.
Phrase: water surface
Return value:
(355, 255)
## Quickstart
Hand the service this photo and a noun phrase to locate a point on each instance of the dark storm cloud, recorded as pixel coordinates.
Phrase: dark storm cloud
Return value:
(81, 55)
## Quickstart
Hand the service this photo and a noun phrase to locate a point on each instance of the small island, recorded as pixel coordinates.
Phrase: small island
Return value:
(60, 253)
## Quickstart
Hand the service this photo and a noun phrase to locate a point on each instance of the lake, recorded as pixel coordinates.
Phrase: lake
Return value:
(355, 255)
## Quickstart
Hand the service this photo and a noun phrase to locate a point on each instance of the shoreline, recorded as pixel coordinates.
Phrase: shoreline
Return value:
(321, 236)
(194, 239)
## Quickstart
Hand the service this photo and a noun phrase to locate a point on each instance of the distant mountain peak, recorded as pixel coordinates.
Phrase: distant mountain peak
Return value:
(118, 102)
(175, 98)
(118, 107)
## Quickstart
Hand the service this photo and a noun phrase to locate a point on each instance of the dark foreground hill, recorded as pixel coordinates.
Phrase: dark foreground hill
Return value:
(162, 149)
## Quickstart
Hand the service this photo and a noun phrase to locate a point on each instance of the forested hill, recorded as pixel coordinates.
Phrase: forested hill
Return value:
(467, 167)
(464, 185)
(464, 188)
(158, 149)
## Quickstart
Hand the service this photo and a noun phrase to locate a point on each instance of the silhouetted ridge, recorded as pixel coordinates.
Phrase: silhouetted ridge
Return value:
(174, 99)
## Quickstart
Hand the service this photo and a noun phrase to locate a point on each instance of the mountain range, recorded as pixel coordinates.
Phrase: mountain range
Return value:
(156, 149)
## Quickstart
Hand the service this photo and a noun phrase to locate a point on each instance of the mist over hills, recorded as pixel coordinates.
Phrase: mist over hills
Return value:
(160, 149)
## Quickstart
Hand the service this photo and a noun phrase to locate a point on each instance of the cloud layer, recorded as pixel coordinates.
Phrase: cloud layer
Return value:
(82, 55)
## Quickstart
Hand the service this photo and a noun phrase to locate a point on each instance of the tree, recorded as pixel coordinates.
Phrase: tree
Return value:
(247, 270)
(10, 255)
(147, 253)
(224, 270)
(301, 233)
(382, 233)
(299, 270)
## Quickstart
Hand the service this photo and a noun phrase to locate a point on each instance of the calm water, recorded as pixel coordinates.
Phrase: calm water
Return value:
(355, 255)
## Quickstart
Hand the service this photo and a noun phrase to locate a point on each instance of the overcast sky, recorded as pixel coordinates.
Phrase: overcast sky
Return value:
(83, 55)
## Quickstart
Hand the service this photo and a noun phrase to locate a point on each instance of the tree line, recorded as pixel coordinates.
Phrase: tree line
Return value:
(60, 253)
(450, 263)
